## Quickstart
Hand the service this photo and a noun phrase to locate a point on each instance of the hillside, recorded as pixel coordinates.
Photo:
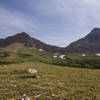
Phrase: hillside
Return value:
(88, 44)
(75, 77)
(55, 82)
(26, 41)
(34, 55)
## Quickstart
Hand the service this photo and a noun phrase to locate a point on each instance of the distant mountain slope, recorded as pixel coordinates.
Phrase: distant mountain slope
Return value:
(24, 40)
(89, 44)
(15, 46)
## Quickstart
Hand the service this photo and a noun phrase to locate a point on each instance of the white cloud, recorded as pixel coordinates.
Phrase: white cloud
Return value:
(13, 21)
(82, 13)
(78, 17)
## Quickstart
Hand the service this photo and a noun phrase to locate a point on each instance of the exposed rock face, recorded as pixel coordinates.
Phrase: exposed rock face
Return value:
(89, 44)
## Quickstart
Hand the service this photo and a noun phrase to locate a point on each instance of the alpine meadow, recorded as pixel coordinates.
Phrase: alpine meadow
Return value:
(49, 50)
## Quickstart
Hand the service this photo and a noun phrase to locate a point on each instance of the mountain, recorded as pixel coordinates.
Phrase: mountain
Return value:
(88, 44)
(21, 40)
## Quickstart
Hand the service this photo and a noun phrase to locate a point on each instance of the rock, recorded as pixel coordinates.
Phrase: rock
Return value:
(16, 50)
(28, 98)
(62, 57)
(37, 76)
(55, 56)
(97, 54)
(37, 96)
(40, 49)
(24, 97)
(32, 71)
(3, 65)
(83, 55)
(53, 95)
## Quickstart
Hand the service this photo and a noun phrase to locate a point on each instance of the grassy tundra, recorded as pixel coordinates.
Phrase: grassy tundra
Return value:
(55, 83)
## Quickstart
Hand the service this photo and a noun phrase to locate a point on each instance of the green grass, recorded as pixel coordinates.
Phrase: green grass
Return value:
(55, 82)
(33, 55)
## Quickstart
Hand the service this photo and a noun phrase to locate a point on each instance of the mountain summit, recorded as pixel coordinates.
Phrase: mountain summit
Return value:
(94, 36)
(21, 40)
(89, 44)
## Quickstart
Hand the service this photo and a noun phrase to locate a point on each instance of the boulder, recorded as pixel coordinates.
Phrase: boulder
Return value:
(32, 71)
(25, 97)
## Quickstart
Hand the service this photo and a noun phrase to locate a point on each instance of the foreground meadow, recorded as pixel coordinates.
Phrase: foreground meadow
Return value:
(55, 82)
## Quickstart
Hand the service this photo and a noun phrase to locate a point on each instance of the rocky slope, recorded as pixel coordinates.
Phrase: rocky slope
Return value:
(88, 44)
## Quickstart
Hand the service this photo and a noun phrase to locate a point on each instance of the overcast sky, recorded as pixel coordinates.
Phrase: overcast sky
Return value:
(56, 22)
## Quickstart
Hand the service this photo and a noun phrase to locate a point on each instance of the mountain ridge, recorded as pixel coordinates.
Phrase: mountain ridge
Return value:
(88, 44)
(28, 42)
